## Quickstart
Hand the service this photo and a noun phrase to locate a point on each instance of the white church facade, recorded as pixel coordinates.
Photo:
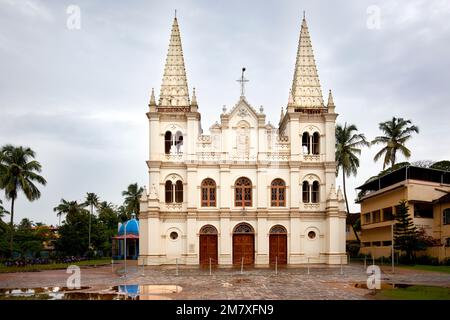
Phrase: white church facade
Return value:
(248, 192)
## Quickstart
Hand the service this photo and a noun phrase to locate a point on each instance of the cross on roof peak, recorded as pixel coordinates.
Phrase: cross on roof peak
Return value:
(242, 81)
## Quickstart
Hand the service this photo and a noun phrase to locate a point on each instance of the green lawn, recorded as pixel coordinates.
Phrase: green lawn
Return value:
(445, 269)
(53, 266)
(414, 293)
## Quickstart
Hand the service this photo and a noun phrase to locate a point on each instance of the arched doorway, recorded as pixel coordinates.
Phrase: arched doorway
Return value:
(278, 245)
(208, 245)
(243, 244)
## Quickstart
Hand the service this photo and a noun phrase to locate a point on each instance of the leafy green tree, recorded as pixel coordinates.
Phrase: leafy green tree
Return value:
(69, 208)
(132, 196)
(73, 233)
(19, 172)
(92, 201)
(108, 215)
(123, 214)
(396, 133)
(28, 242)
(348, 148)
(441, 165)
(406, 236)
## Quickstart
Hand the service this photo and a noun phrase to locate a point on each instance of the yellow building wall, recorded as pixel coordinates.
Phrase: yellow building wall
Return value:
(381, 231)
(440, 231)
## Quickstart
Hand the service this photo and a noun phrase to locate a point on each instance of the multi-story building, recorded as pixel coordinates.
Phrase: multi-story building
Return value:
(426, 192)
(247, 192)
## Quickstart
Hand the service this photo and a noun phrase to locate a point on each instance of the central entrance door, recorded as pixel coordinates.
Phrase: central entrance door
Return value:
(278, 245)
(208, 245)
(243, 244)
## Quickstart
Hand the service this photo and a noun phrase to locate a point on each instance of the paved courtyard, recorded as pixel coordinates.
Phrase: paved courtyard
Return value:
(322, 282)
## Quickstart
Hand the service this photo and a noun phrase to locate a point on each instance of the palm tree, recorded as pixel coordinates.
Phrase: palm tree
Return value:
(92, 201)
(396, 133)
(132, 196)
(105, 205)
(2, 210)
(348, 143)
(69, 208)
(19, 172)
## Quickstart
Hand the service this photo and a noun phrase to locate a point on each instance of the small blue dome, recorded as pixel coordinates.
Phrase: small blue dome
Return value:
(132, 227)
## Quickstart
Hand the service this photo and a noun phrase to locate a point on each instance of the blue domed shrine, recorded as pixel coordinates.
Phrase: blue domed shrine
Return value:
(127, 237)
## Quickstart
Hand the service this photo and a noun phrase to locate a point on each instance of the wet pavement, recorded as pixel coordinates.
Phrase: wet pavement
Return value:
(186, 282)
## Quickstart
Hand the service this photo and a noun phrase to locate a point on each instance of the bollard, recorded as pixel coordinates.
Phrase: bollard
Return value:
(209, 266)
(242, 265)
(112, 265)
(308, 265)
(276, 265)
(176, 261)
(143, 268)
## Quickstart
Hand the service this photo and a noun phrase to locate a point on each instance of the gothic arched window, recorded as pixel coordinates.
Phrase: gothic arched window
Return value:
(208, 193)
(316, 143)
(169, 191)
(243, 192)
(306, 146)
(315, 192)
(174, 191)
(179, 142)
(305, 192)
(278, 193)
(167, 142)
(179, 191)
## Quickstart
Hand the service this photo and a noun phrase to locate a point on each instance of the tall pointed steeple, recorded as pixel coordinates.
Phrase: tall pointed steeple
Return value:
(174, 87)
(306, 90)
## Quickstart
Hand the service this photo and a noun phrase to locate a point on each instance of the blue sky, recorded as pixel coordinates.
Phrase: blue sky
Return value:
(79, 97)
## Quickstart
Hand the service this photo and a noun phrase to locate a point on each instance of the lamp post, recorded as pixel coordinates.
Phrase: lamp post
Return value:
(125, 245)
(392, 243)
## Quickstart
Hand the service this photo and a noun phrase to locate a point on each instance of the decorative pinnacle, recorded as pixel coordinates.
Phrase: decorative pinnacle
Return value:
(152, 98)
(330, 100)
(194, 98)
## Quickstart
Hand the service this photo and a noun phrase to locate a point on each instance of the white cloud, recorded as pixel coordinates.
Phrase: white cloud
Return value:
(79, 97)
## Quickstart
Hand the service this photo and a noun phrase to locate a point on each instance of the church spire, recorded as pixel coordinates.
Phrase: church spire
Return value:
(306, 90)
(174, 87)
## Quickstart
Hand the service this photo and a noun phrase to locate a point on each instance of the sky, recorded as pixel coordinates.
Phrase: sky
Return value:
(76, 90)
